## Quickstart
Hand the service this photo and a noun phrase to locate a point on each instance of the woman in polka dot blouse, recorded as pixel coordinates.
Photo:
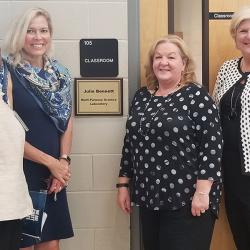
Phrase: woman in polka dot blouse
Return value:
(171, 154)
(232, 94)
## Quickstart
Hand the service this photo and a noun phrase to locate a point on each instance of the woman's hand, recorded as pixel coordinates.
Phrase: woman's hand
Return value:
(59, 170)
(123, 200)
(200, 203)
(55, 186)
(66, 164)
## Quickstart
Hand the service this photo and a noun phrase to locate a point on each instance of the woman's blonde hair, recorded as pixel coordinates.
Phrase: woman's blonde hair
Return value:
(237, 18)
(15, 37)
(188, 74)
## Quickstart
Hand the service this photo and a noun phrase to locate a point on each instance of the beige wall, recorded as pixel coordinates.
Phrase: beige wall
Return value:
(98, 224)
(188, 19)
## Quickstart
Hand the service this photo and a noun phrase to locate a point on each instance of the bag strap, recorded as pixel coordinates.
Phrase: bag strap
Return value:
(10, 90)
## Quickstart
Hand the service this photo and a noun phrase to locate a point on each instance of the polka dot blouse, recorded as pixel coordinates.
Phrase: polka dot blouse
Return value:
(171, 142)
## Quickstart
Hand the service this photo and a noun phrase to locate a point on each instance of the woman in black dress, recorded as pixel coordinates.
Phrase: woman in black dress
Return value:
(171, 153)
(232, 94)
(39, 87)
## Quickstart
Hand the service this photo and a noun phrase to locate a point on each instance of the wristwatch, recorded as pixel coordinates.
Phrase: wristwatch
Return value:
(66, 158)
(119, 185)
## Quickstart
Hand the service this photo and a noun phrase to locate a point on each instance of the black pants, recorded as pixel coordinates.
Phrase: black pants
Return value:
(238, 214)
(10, 234)
(176, 230)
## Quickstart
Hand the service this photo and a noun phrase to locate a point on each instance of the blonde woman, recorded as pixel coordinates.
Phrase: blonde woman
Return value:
(40, 90)
(171, 153)
(232, 95)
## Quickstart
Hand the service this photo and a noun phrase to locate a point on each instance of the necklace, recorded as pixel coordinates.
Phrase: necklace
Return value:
(143, 117)
(234, 100)
(244, 68)
(160, 108)
(233, 113)
(171, 91)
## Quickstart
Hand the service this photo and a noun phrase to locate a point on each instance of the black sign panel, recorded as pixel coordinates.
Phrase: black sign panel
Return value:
(220, 15)
(99, 57)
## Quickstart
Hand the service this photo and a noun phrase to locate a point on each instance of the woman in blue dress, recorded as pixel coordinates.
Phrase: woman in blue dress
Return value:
(39, 88)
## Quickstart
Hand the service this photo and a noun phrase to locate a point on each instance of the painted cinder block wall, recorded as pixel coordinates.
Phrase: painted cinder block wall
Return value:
(97, 141)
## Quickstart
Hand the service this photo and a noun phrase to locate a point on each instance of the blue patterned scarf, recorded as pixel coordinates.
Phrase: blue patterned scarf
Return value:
(49, 86)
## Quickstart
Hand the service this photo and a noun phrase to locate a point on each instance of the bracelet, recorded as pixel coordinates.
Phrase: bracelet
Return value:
(66, 158)
(119, 185)
(203, 193)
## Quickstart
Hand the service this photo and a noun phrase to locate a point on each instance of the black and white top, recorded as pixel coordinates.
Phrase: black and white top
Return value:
(171, 142)
(230, 74)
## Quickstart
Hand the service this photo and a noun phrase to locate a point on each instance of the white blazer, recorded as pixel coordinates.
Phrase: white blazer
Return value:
(14, 196)
(228, 75)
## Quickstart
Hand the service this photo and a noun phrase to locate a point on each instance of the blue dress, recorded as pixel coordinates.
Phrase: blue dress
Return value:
(43, 135)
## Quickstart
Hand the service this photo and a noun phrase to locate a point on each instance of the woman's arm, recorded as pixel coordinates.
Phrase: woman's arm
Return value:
(209, 137)
(200, 200)
(126, 168)
(58, 170)
(66, 139)
(65, 149)
(123, 197)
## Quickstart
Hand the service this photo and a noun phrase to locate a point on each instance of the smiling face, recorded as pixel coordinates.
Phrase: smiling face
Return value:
(242, 38)
(37, 41)
(168, 64)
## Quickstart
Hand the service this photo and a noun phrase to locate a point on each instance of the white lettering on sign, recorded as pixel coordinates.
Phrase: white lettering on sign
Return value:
(88, 42)
(99, 60)
(222, 16)
(104, 91)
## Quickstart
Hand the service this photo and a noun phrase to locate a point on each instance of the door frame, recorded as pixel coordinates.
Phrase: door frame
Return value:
(205, 44)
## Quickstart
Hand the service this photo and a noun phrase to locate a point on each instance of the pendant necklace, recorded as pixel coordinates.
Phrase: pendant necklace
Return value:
(143, 117)
(233, 105)
(234, 99)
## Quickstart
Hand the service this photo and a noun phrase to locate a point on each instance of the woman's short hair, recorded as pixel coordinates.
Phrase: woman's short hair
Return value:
(188, 74)
(15, 37)
(238, 17)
